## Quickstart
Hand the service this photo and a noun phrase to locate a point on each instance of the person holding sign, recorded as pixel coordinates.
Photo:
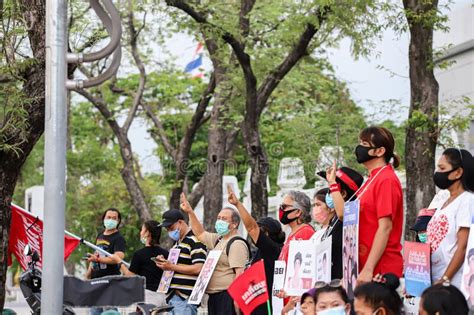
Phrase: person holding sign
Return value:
(192, 256)
(381, 206)
(448, 229)
(232, 261)
(268, 237)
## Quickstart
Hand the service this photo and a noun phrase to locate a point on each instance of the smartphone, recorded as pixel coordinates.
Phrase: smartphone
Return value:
(153, 259)
(84, 257)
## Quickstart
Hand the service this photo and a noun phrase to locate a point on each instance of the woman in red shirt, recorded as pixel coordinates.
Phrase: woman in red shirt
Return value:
(295, 211)
(381, 206)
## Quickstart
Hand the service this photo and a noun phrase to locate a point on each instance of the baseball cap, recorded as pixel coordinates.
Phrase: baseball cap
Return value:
(170, 217)
(422, 220)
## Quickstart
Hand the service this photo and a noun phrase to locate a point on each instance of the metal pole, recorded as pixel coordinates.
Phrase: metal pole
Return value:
(55, 158)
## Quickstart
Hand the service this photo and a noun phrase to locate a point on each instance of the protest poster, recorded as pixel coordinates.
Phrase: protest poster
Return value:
(350, 246)
(417, 267)
(324, 260)
(467, 282)
(278, 284)
(168, 274)
(249, 289)
(301, 268)
(204, 277)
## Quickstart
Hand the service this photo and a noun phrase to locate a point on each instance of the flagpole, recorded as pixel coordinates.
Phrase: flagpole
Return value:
(268, 307)
(95, 247)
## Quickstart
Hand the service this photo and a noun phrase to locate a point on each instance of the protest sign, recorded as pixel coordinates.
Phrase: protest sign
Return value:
(324, 260)
(249, 289)
(168, 274)
(204, 277)
(417, 267)
(278, 284)
(467, 282)
(301, 268)
(350, 246)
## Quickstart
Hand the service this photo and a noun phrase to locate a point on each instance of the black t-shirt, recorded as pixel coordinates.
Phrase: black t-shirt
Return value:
(142, 265)
(111, 243)
(336, 251)
(269, 251)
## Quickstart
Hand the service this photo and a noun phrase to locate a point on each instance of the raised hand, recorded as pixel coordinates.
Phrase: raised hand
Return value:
(233, 200)
(185, 206)
(331, 173)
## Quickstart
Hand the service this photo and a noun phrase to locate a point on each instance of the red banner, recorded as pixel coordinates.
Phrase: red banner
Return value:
(27, 229)
(249, 289)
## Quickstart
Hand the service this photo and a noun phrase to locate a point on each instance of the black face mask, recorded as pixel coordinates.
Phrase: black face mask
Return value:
(442, 181)
(362, 153)
(283, 215)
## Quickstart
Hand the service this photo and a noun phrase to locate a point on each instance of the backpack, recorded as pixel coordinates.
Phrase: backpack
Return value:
(229, 244)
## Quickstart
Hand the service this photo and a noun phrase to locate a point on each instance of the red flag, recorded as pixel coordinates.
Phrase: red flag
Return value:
(27, 229)
(249, 289)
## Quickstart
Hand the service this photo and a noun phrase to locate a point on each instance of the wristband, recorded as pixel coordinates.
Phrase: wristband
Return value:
(334, 188)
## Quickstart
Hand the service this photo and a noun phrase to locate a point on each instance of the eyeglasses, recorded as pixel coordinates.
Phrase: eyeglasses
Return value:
(335, 283)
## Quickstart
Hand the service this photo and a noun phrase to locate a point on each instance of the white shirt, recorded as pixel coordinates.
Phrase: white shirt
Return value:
(442, 234)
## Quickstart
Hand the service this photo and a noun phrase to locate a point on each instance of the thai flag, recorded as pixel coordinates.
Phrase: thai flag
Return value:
(193, 66)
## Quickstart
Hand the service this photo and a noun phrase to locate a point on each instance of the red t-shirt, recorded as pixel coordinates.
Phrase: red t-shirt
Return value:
(383, 198)
(304, 233)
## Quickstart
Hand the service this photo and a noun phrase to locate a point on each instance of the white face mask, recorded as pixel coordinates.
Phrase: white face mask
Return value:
(339, 310)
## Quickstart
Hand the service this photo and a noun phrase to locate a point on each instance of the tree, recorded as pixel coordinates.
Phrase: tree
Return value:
(281, 34)
(421, 132)
(22, 98)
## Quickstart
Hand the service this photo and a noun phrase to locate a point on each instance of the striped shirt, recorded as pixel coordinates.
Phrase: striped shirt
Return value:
(192, 251)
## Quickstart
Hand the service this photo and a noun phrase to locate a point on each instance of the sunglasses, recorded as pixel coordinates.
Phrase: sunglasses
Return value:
(335, 283)
(284, 206)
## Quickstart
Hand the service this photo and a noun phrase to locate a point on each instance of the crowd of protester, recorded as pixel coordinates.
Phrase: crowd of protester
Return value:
(380, 263)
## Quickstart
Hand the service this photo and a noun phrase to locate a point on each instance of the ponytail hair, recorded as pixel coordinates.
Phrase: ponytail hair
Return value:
(155, 232)
(381, 294)
(460, 158)
(381, 137)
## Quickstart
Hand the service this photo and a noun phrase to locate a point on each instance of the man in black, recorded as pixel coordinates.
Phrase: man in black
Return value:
(111, 241)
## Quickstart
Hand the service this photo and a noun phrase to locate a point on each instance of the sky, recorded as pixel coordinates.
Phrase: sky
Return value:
(371, 82)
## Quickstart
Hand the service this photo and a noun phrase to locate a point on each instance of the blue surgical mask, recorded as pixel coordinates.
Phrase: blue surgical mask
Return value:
(110, 224)
(143, 240)
(340, 310)
(329, 201)
(222, 227)
(174, 235)
(423, 237)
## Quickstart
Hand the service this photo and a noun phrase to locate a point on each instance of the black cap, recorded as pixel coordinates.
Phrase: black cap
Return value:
(421, 223)
(170, 217)
(273, 226)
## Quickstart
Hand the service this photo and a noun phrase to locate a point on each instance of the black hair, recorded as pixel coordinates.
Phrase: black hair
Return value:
(382, 294)
(299, 257)
(444, 300)
(381, 137)
(114, 210)
(278, 237)
(153, 228)
(328, 289)
(321, 194)
(460, 158)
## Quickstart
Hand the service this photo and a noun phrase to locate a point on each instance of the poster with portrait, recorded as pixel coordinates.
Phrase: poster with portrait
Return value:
(278, 284)
(204, 277)
(168, 274)
(300, 268)
(324, 260)
(467, 282)
(417, 264)
(350, 246)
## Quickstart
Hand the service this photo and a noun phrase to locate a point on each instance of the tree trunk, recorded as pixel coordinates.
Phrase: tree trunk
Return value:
(130, 179)
(11, 163)
(420, 142)
(216, 155)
